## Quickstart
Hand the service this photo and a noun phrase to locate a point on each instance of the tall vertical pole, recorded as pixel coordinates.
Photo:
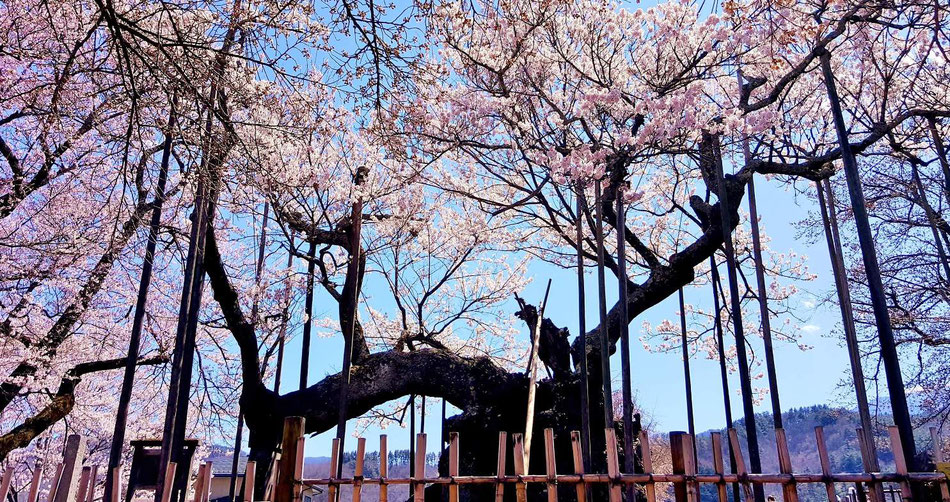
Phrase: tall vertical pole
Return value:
(582, 330)
(892, 368)
(353, 277)
(412, 435)
(308, 325)
(723, 368)
(745, 380)
(762, 291)
(602, 309)
(628, 448)
(135, 340)
(686, 374)
(829, 220)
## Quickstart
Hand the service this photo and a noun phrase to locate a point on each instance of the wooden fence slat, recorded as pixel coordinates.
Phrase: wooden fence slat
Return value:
(169, 481)
(900, 463)
(500, 466)
(5, 483)
(270, 486)
(692, 488)
(578, 457)
(789, 491)
(740, 463)
(72, 467)
(550, 465)
(83, 482)
(35, 483)
(420, 486)
(287, 489)
(825, 463)
(521, 494)
(716, 439)
(333, 489)
(116, 483)
(206, 489)
(453, 465)
(613, 465)
(383, 468)
(358, 470)
(199, 483)
(647, 462)
(54, 482)
(250, 471)
(91, 492)
(875, 491)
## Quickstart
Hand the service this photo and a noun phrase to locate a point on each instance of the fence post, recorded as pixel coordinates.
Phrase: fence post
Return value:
(453, 466)
(900, 462)
(169, 481)
(334, 461)
(199, 483)
(789, 491)
(91, 492)
(613, 465)
(5, 483)
(740, 464)
(83, 484)
(35, 484)
(500, 467)
(248, 485)
(288, 488)
(358, 470)
(383, 469)
(420, 486)
(825, 463)
(206, 487)
(875, 490)
(578, 455)
(550, 465)
(72, 467)
(647, 462)
(54, 483)
(719, 467)
(116, 483)
(678, 444)
(939, 458)
(520, 492)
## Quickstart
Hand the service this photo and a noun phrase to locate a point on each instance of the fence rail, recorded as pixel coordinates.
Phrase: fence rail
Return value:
(685, 478)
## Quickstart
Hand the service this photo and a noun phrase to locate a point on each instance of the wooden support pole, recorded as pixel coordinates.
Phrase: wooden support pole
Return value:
(269, 487)
(719, 466)
(825, 463)
(582, 327)
(533, 362)
(602, 310)
(287, 488)
(789, 492)
(206, 487)
(169, 481)
(577, 454)
(383, 469)
(900, 462)
(35, 483)
(647, 461)
(865, 439)
(333, 489)
(740, 464)
(613, 465)
(199, 483)
(358, 470)
(249, 473)
(550, 466)
(520, 468)
(453, 466)
(500, 467)
(419, 487)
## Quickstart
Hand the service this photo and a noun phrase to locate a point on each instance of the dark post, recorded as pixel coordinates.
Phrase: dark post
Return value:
(745, 381)
(628, 448)
(284, 319)
(582, 330)
(723, 369)
(308, 326)
(686, 375)
(135, 339)
(892, 367)
(602, 299)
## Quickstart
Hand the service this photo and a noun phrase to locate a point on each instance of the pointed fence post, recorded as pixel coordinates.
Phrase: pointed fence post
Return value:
(358, 470)
(550, 466)
(419, 488)
(333, 489)
(116, 483)
(383, 469)
(578, 458)
(789, 492)
(5, 483)
(613, 465)
(520, 468)
(875, 490)
(169, 481)
(91, 492)
(647, 461)
(825, 463)
(54, 483)
(500, 467)
(453, 466)
(248, 484)
(288, 489)
(72, 469)
(719, 466)
(740, 464)
(35, 483)
(900, 462)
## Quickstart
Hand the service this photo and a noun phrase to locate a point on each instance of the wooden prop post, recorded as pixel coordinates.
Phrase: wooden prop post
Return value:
(453, 466)
(35, 483)
(719, 467)
(72, 469)
(5, 483)
(533, 371)
(647, 464)
(521, 493)
(357, 470)
(550, 466)
(613, 465)
(789, 492)
(420, 460)
(825, 463)
(383, 469)
(333, 489)
(500, 467)
(740, 464)
(578, 458)
(248, 485)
